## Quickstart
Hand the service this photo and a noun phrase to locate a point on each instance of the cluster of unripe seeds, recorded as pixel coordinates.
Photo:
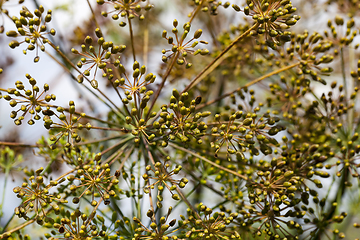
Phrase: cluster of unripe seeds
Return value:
(272, 18)
(31, 101)
(211, 6)
(182, 47)
(97, 182)
(163, 179)
(33, 27)
(126, 9)
(36, 197)
(102, 56)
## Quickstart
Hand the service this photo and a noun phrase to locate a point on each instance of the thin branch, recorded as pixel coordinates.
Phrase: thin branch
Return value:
(249, 84)
(211, 66)
(208, 161)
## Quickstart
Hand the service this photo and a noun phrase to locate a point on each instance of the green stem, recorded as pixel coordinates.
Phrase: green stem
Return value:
(346, 89)
(208, 161)
(66, 59)
(330, 212)
(8, 222)
(211, 66)
(250, 83)
(93, 13)
(18, 144)
(8, 233)
(343, 70)
(166, 75)
(132, 39)
(7, 170)
(177, 187)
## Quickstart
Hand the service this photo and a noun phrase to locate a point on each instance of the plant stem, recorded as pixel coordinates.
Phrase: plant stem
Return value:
(93, 13)
(132, 39)
(8, 233)
(250, 83)
(343, 71)
(146, 46)
(167, 73)
(18, 144)
(196, 12)
(346, 89)
(177, 187)
(7, 170)
(76, 69)
(211, 66)
(8, 222)
(187, 201)
(208, 161)
(340, 194)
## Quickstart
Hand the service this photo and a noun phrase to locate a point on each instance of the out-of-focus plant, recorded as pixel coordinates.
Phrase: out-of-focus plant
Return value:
(236, 141)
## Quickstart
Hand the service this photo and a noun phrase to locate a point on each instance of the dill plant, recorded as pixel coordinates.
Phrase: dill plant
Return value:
(227, 137)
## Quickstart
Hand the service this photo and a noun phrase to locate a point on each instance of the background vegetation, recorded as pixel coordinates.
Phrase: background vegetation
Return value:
(194, 119)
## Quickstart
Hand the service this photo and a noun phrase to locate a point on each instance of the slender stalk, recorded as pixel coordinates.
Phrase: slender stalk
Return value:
(250, 84)
(76, 69)
(339, 196)
(166, 75)
(208, 161)
(97, 140)
(343, 71)
(132, 39)
(7, 170)
(196, 11)
(74, 78)
(146, 46)
(346, 89)
(8, 222)
(19, 144)
(117, 144)
(111, 129)
(214, 63)
(126, 157)
(177, 187)
(183, 197)
(8, 233)
(93, 13)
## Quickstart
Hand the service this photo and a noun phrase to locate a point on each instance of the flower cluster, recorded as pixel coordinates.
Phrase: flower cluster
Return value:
(238, 135)
(125, 8)
(94, 180)
(181, 120)
(162, 178)
(211, 225)
(135, 87)
(181, 48)
(32, 100)
(155, 231)
(67, 127)
(36, 196)
(272, 17)
(33, 27)
(310, 51)
(102, 58)
(210, 6)
(77, 225)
